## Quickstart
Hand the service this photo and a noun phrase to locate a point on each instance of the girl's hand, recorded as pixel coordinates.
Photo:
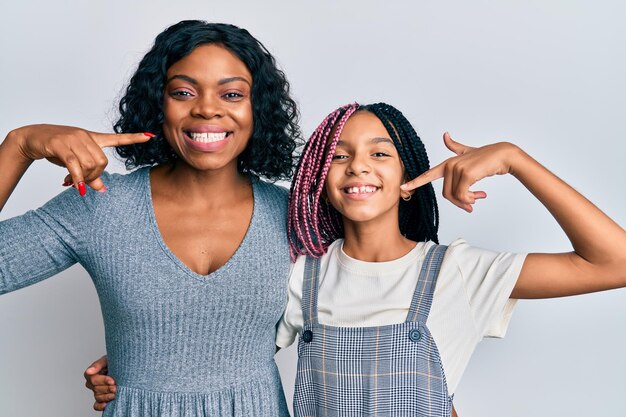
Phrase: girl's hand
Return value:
(469, 166)
(78, 150)
(102, 385)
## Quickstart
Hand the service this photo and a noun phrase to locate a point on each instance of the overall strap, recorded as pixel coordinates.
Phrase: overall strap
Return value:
(309, 290)
(423, 296)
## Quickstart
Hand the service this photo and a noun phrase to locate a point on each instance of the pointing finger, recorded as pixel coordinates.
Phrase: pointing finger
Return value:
(431, 175)
(106, 140)
(98, 185)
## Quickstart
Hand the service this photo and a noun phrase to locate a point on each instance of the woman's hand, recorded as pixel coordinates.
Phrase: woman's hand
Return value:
(469, 166)
(78, 150)
(102, 385)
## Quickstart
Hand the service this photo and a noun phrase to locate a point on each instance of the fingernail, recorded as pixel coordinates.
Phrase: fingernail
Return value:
(404, 187)
(82, 190)
(66, 184)
(148, 134)
(103, 189)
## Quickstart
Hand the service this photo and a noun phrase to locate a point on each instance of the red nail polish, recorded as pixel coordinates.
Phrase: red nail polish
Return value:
(82, 190)
(148, 134)
(66, 184)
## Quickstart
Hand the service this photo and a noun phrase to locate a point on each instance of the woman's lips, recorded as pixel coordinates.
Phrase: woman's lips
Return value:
(207, 141)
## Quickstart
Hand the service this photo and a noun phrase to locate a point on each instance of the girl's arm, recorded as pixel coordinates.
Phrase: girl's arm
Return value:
(78, 150)
(598, 261)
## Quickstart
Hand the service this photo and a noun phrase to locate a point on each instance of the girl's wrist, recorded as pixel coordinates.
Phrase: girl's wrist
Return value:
(517, 159)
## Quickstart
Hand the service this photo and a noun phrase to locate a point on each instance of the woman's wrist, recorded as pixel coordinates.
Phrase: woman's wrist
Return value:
(14, 145)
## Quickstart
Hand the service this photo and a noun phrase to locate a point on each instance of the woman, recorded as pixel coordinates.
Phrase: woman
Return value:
(188, 253)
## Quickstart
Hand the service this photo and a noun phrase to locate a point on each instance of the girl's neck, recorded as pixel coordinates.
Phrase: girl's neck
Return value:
(375, 243)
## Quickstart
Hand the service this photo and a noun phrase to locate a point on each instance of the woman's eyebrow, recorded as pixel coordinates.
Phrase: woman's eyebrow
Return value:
(184, 78)
(195, 82)
(231, 79)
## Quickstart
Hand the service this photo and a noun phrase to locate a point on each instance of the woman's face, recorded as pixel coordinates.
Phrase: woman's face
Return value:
(364, 178)
(208, 108)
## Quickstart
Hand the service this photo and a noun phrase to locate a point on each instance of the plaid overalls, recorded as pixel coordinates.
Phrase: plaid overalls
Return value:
(392, 370)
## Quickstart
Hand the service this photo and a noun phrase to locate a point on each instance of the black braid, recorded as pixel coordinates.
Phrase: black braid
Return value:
(418, 217)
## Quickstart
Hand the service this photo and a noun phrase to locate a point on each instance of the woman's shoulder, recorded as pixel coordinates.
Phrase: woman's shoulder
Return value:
(272, 190)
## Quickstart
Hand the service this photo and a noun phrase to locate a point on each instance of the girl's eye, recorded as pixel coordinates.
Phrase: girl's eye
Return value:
(339, 157)
(380, 154)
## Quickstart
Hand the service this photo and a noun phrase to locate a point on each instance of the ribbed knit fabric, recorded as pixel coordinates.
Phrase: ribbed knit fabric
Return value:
(179, 343)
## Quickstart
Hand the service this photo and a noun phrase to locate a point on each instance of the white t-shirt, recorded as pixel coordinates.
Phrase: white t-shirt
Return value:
(471, 298)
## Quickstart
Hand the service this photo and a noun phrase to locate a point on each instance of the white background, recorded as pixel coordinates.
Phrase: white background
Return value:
(548, 76)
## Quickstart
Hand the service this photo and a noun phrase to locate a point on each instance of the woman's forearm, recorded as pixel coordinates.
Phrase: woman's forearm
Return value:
(13, 164)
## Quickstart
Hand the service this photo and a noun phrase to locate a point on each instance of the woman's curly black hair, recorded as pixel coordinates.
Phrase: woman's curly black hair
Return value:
(275, 135)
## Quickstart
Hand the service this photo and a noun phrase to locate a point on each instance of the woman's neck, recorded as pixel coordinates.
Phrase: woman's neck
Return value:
(184, 183)
(375, 243)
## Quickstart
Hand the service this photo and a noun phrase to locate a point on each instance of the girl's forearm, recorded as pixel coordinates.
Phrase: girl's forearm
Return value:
(594, 236)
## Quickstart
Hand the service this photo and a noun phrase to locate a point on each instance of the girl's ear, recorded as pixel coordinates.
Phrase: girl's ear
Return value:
(406, 195)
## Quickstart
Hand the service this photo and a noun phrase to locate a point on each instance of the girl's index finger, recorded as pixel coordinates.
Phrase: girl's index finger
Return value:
(428, 176)
(106, 140)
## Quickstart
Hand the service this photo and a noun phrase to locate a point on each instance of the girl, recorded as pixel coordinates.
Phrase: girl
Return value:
(387, 318)
(188, 253)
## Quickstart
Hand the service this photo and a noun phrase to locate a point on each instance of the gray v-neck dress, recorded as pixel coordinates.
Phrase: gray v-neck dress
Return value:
(179, 343)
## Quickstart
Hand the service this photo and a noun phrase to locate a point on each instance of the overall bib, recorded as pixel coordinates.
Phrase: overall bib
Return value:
(391, 370)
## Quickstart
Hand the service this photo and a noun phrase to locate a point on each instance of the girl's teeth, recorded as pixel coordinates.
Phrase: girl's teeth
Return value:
(361, 190)
(207, 137)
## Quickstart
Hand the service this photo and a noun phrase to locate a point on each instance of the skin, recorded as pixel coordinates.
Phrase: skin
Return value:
(598, 261)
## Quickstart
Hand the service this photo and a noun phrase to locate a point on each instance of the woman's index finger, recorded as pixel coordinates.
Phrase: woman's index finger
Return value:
(106, 140)
(428, 176)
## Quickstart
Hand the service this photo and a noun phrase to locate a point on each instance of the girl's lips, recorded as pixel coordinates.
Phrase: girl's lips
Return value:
(359, 192)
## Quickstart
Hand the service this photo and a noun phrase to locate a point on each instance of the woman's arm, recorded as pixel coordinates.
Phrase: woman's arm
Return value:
(79, 150)
(598, 261)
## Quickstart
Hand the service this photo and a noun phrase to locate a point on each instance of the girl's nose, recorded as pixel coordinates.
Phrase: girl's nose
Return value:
(358, 165)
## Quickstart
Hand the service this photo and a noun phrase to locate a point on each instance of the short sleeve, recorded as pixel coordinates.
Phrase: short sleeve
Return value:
(489, 278)
(45, 241)
(291, 322)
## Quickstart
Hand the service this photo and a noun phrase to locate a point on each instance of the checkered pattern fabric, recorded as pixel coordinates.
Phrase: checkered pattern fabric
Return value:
(392, 370)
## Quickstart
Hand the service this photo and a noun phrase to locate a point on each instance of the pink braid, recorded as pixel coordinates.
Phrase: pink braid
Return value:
(313, 226)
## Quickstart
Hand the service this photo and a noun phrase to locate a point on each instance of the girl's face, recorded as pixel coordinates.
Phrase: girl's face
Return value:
(208, 108)
(364, 178)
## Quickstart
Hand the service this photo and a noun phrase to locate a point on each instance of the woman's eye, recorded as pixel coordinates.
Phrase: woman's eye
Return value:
(181, 94)
(233, 96)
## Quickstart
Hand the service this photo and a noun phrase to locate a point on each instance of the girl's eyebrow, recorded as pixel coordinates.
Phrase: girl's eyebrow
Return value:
(195, 82)
(373, 141)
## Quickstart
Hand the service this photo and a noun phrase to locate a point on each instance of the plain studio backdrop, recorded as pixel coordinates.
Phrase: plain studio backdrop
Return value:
(548, 76)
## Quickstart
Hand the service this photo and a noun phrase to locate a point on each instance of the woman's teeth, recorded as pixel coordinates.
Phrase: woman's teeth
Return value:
(207, 137)
(361, 190)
